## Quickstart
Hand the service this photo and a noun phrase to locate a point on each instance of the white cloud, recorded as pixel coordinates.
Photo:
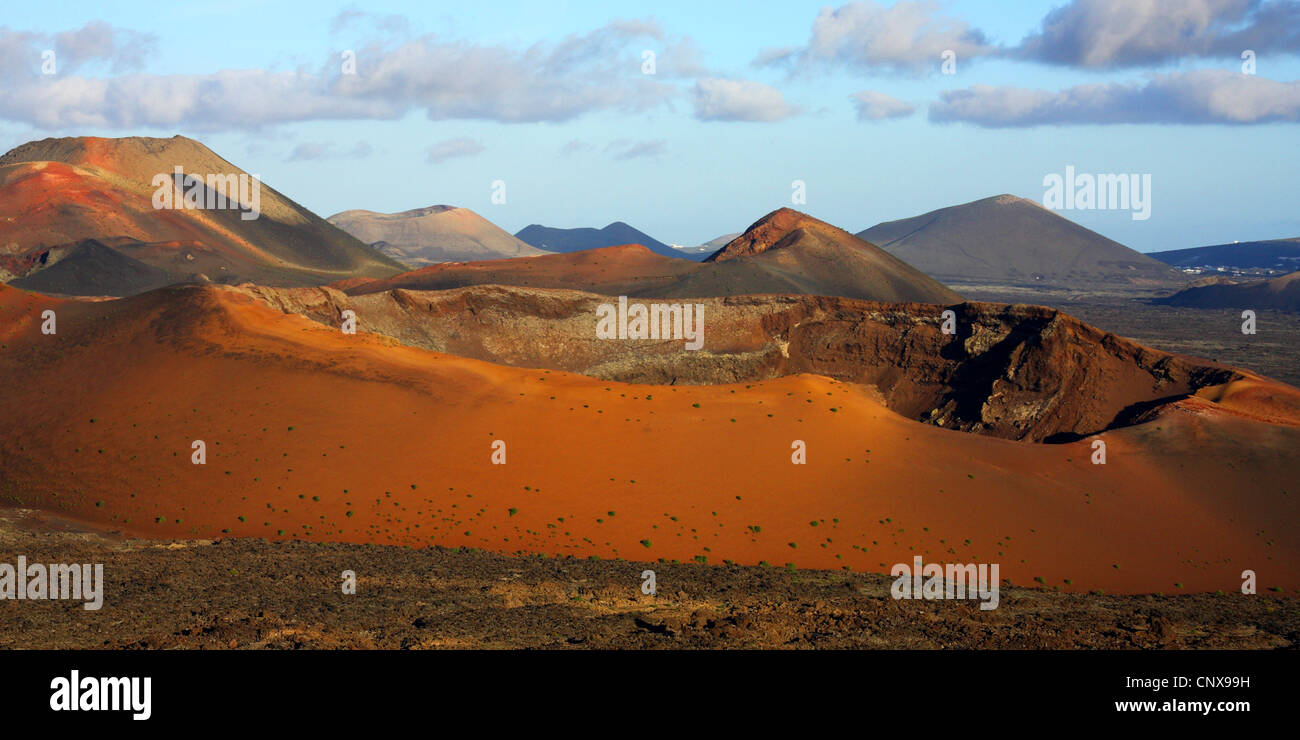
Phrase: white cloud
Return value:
(867, 36)
(95, 44)
(1128, 33)
(98, 41)
(623, 149)
(308, 150)
(739, 100)
(680, 59)
(1197, 97)
(573, 146)
(454, 148)
(352, 17)
(311, 150)
(876, 106)
(447, 79)
(911, 36)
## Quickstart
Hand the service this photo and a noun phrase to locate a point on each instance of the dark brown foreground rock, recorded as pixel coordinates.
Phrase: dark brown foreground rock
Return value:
(240, 594)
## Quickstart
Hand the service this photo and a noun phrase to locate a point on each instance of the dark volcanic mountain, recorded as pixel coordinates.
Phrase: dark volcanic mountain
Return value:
(65, 191)
(575, 240)
(791, 252)
(1278, 294)
(1276, 254)
(784, 252)
(89, 267)
(1005, 240)
(427, 236)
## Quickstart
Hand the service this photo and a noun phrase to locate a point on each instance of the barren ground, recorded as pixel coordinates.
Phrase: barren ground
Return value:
(250, 593)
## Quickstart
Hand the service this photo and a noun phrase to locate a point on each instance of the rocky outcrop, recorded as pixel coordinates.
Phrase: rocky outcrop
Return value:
(1017, 372)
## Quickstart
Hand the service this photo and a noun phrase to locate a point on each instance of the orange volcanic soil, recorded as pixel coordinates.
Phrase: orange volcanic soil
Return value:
(57, 192)
(55, 203)
(316, 435)
(628, 268)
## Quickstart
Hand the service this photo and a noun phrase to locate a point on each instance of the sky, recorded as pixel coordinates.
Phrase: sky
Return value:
(390, 106)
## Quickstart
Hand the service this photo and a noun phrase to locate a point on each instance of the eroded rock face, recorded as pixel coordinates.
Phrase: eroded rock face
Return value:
(772, 231)
(1017, 372)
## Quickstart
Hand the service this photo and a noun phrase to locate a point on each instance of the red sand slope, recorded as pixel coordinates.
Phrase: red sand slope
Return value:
(313, 434)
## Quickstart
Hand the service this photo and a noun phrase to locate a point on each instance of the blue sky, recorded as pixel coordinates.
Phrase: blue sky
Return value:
(557, 107)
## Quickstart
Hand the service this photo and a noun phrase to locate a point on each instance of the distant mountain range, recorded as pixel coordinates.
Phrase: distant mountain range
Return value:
(1272, 254)
(707, 248)
(715, 244)
(575, 240)
(84, 216)
(427, 236)
(77, 217)
(1006, 240)
(784, 252)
